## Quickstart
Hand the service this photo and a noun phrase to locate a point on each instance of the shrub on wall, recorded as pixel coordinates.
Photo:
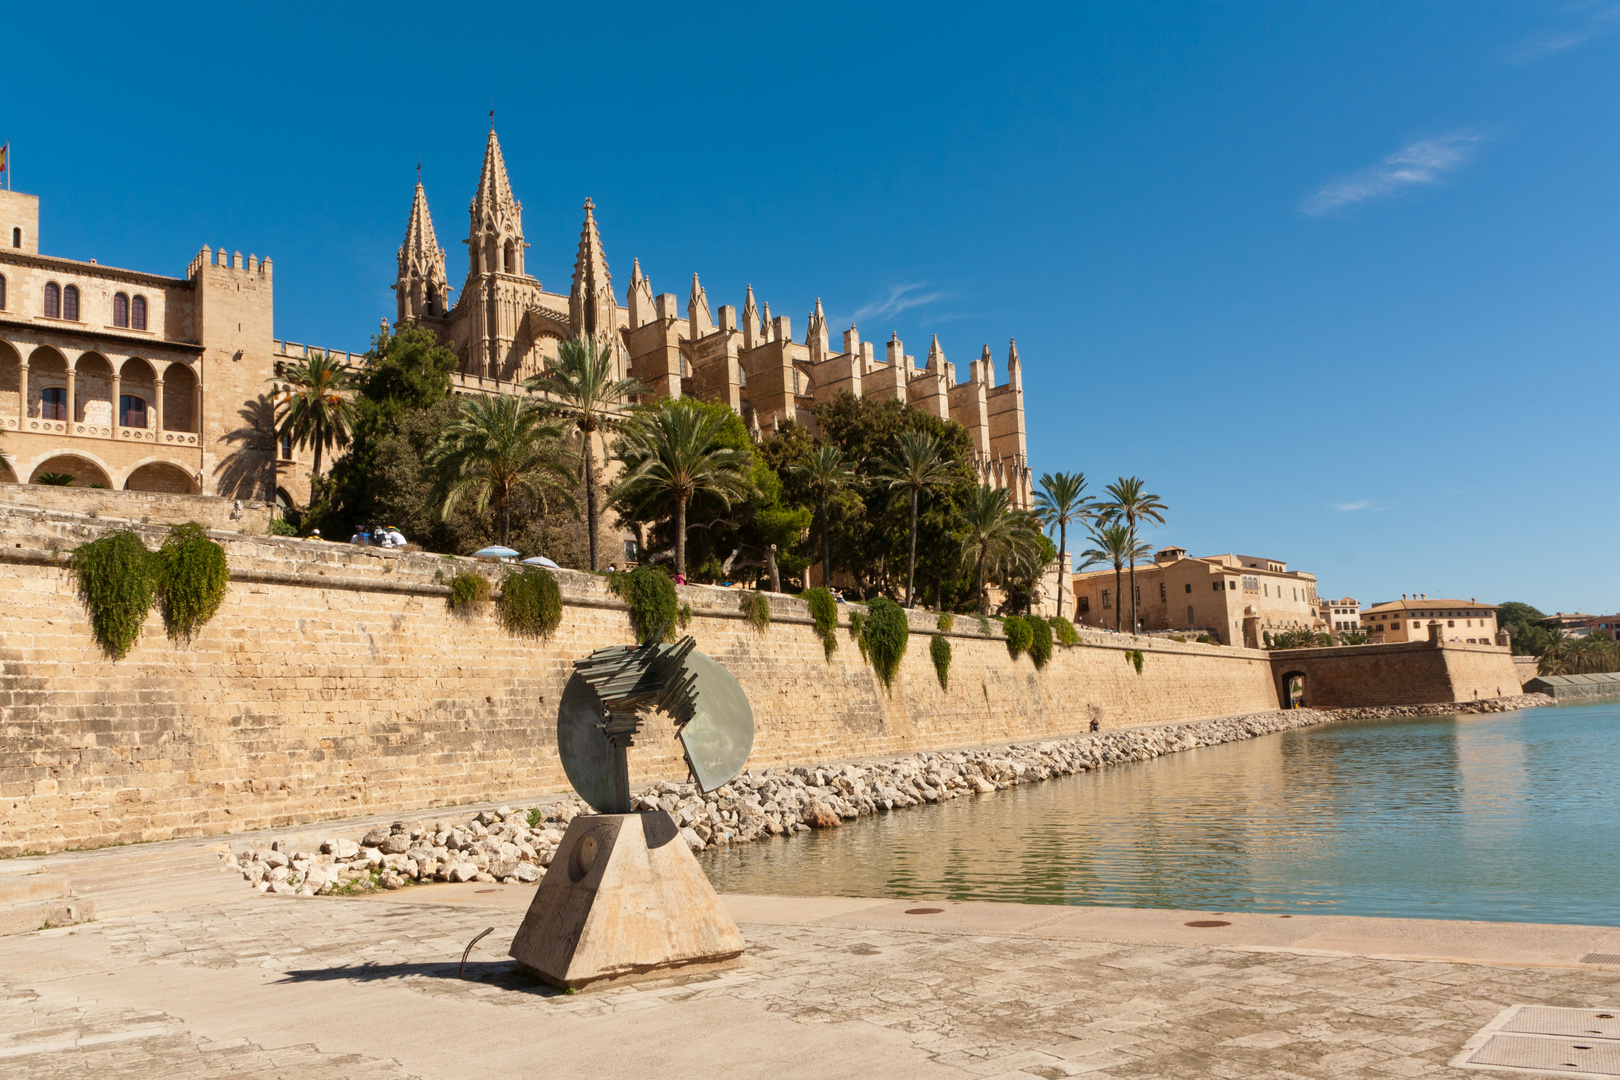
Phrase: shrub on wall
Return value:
(824, 611)
(531, 603)
(757, 610)
(190, 576)
(1135, 658)
(1064, 631)
(885, 634)
(946, 621)
(1019, 635)
(650, 592)
(115, 581)
(683, 617)
(939, 650)
(467, 589)
(984, 625)
(857, 624)
(1040, 641)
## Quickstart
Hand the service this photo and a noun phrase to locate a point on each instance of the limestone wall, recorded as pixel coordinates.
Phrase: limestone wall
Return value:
(335, 681)
(1402, 673)
(127, 506)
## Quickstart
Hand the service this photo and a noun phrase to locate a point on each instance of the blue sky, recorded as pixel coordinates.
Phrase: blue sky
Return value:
(1339, 281)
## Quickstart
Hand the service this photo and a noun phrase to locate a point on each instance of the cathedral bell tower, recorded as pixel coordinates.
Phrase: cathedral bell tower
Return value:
(495, 277)
(421, 290)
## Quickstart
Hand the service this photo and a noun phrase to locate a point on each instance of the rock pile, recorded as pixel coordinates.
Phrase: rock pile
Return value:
(1488, 705)
(514, 846)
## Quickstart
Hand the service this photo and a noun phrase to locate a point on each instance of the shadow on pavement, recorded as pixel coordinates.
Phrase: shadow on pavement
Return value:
(501, 974)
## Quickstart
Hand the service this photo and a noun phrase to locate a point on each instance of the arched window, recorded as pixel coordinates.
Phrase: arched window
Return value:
(131, 411)
(510, 259)
(120, 310)
(286, 446)
(2, 292)
(137, 313)
(53, 403)
(53, 300)
(70, 303)
(16, 238)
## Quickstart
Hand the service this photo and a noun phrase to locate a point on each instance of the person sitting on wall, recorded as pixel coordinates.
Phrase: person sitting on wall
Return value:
(361, 538)
(395, 538)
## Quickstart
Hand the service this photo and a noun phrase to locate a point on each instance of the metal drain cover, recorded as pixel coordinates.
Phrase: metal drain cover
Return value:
(1601, 958)
(1593, 1057)
(1535, 1039)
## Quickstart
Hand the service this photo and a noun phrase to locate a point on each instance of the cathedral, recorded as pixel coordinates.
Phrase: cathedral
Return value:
(504, 328)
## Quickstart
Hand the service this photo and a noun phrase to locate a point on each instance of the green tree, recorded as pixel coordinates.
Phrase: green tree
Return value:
(995, 537)
(917, 465)
(1128, 500)
(496, 448)
(581, 388)
(1060, 503)
(1112, 543)
(670, 456)
(825, 472)
(314, 408)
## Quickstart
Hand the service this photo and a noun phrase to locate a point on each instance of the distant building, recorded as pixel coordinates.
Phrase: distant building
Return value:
(1575, 624)
(1341, 616)
(1234, 598)
(1408, 620)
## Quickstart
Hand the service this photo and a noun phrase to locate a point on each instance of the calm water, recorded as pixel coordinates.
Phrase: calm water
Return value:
(1511, 817)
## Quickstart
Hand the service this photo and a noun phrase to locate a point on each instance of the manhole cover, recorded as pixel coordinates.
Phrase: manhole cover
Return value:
(1601, 958)
(924, 910)
(1595, 1057)
(1208, 922)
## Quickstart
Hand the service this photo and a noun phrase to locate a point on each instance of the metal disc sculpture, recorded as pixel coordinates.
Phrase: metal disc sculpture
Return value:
(605, 702)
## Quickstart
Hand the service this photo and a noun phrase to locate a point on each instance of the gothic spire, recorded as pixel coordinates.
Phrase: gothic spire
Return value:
(494, 189)
(495, 240)
(420, 285)
(752, 334)
(699, 318)
(936, 356)
(590, 301)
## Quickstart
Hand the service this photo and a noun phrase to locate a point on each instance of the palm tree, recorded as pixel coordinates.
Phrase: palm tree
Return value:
(995, 535)
(581, 390)
(1112, 543)
(917, 465)
(314, 406)
(1060, 501)
(670, 456)
(824, 470)
(497, 447)
(1129, 501)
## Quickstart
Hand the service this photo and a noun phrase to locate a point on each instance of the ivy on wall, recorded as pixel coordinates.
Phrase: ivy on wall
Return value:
(468, 589)
(119, 580)
(530, 604)
(1040, 641)
(946, 621)
(1019, 635)
(115, 582)
(650, 592)
(756, 610)
(885, 634)
(857, 626)
(1064, 631)
(939, 650)
(1135, 658)
(824, 612)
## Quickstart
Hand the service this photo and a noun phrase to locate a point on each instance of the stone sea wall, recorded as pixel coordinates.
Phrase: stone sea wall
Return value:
(515, 846)
(335, 681)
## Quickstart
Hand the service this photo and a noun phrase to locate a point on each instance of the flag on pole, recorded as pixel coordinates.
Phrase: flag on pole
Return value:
(5, 162)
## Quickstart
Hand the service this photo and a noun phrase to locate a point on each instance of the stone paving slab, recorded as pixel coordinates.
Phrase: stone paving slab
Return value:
(270, 986)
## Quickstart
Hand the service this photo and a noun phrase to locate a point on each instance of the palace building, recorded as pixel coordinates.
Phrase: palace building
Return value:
(130, 380)
(504, 326)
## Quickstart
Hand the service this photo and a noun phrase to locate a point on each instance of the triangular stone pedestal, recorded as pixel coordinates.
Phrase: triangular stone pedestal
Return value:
(624, 896)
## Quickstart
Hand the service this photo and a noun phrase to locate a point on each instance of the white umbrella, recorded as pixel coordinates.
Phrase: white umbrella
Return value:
(541, 560)
(496, 552)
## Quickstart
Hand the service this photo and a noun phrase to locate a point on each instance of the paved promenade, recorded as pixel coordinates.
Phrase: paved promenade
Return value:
(191, 974)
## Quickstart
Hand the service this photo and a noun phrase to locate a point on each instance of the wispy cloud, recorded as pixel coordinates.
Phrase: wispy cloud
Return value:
(900, 298)
(1426, 161)
(1599, 19)
(1361, 505)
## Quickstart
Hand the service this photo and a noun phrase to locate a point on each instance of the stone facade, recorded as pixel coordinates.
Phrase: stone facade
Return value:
(504, 326)
(1409, 673)
(1235, 598)
(129, 380)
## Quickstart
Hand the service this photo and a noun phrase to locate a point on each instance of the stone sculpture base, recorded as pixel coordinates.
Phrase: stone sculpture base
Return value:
(624, 896)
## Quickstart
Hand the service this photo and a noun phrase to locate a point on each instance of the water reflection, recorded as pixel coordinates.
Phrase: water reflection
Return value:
(1508, 817)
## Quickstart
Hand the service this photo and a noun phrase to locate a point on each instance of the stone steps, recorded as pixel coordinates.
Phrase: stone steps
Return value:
(31, 902)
